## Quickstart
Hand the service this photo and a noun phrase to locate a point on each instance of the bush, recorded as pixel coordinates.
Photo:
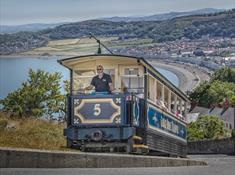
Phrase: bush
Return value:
(39, 96)
(3, 124)
(233, 133)
(31, 133)
(206, 127)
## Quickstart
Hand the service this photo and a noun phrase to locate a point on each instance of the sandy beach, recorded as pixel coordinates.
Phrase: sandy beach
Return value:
(189, 76)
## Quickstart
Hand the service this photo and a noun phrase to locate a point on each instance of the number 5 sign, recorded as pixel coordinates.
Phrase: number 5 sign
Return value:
(97, 109)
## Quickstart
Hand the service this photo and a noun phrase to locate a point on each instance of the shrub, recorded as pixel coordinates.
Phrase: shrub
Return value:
(39, 96)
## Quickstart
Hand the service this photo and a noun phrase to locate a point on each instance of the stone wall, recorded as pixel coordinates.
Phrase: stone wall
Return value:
(222, 146)
(26, 158)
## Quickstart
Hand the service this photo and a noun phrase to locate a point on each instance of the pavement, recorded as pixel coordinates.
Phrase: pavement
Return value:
(217, 165)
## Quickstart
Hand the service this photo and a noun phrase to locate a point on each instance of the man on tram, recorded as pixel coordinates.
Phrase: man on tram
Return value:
(102, 82)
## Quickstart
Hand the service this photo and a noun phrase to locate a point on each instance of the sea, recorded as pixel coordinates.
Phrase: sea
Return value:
(14, 71)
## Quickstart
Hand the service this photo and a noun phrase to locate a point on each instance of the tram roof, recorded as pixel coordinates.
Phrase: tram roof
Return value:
(139, 60)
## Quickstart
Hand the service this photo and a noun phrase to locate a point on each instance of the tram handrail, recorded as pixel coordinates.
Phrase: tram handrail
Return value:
(116, 91)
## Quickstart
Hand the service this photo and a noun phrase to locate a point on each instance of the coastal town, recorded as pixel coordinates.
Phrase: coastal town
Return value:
(117, 94)
(210, 53)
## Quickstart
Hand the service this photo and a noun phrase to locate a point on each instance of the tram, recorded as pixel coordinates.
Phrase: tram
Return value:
(145, 114)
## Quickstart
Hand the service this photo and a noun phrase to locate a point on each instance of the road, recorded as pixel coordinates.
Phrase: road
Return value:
(217, 165)
(187, 74)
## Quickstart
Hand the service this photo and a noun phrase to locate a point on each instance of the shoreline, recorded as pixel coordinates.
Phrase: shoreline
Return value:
(181, 77)
(30, 56)
(189, 76)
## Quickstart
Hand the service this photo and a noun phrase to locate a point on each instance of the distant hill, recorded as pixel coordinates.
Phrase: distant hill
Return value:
(164, 16)
(26, 27)
(219, 24)
(160, 17)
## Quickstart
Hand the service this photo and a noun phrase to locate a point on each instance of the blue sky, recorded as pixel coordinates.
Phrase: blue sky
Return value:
(14, 12)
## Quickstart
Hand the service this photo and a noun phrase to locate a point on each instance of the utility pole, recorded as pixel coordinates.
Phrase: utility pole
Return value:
(99, 48)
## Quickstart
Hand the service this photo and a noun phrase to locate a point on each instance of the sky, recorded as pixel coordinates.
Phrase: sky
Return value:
(15, 12)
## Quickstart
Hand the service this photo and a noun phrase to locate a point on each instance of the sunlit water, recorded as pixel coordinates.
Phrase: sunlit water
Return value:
(14, 71)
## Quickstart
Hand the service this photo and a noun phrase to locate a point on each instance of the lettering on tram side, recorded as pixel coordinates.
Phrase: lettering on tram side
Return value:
(158, 120)
(170, 126)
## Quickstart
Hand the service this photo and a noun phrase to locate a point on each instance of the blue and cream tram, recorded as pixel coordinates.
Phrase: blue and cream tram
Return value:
(131, 119)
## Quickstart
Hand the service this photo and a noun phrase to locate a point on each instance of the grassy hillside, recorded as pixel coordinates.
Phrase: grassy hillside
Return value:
(192, 27)
(85, 46)
(31, 133)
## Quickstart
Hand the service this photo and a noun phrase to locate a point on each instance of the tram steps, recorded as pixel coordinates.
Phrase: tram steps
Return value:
(137, 138)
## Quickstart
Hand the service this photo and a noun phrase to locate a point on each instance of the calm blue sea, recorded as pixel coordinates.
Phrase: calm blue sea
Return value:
(14, 71)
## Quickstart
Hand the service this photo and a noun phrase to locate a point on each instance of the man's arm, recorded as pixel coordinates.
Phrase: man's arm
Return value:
(111, 87)
(90, 87)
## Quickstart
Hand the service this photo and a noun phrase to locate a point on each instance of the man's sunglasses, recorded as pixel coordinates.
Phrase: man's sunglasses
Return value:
(99, 69)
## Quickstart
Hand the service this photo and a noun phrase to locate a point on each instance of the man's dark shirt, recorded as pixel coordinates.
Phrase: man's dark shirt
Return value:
(101, 84)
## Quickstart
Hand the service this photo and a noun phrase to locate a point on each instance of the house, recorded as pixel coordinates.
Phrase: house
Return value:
(226, 114)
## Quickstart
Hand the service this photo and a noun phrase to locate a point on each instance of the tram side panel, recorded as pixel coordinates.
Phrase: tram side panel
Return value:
(164, 133)
(160, 131)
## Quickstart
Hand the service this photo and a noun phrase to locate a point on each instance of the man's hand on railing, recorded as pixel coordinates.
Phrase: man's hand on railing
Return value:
(88, 88)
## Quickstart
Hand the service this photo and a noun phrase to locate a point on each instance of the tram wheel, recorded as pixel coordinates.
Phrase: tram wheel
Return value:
(69, 143)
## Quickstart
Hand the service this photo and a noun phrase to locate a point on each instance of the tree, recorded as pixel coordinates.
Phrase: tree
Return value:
(206, 127)
(225, 74)
(39, 96)
(233, 133)
(213, 94)
(220, 88)
(219, 91)
(199, 95)
(66, 86)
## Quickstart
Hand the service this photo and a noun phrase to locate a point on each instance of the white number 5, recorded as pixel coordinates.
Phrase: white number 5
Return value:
(97, 109)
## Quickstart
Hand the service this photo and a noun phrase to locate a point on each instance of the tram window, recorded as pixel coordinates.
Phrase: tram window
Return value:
(173, 103)
(230, 126)
(151, 89)
(132, 84)
(131, 71)
(82, 79)
(178, 104)
(166, 97)
(111, 72)
(131, 81)
(159, 90)
(180, 108)
(84, 72)
(183, 108)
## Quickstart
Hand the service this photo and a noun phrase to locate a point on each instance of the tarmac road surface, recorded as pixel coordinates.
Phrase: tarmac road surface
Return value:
(217, 165)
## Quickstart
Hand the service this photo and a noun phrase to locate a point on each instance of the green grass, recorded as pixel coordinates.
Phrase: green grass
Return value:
(31, 133)
(87, 46)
